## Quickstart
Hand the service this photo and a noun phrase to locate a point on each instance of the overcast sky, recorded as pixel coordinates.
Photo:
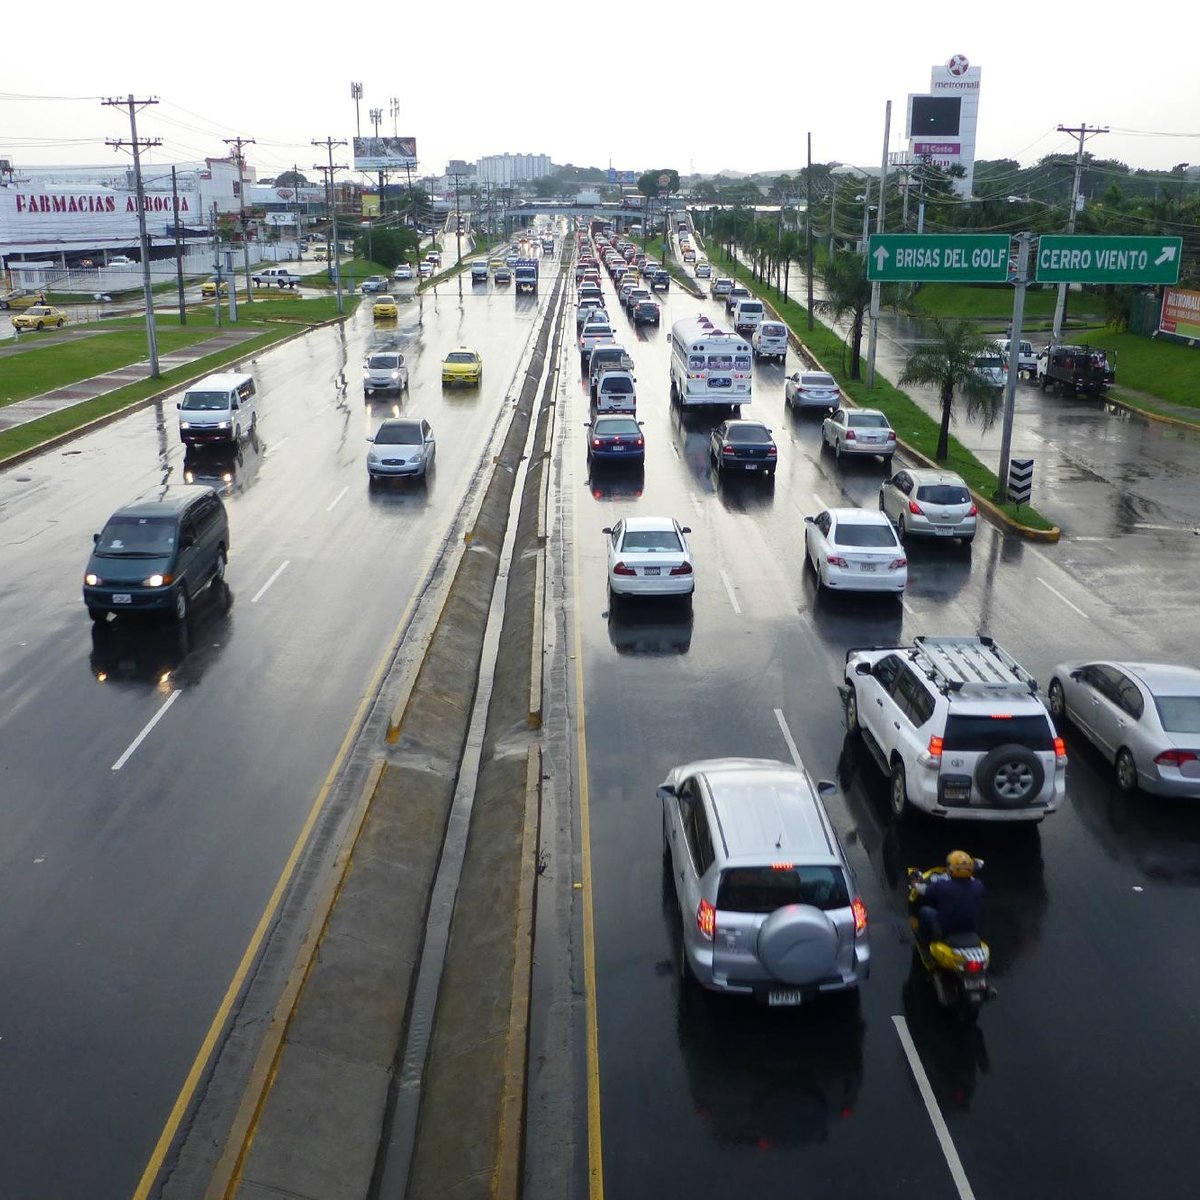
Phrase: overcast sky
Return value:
(698, 87)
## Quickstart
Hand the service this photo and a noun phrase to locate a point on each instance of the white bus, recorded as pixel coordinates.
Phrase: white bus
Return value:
(710, 365)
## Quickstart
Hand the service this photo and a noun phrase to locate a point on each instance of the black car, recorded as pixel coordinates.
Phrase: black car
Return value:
(616, 439)
(645, 312)
(661, 281)
(743, 446)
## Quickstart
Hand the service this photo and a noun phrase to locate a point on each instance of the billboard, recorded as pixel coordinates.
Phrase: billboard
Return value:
(384, 153)
(622, 177)
(1180, 313)
(934, 117)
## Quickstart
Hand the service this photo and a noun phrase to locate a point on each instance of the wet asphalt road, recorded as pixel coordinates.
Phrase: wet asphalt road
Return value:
(1076, 1078)
(130, 894)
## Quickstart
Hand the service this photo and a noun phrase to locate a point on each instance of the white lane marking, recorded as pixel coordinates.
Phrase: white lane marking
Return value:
(908, 608)
(274, 446)
(283, 566)
(935, 1114)
(141, 737)
(330, 506)
(1163, 528)
(787, 737)
(820, 503)
(737, 608)
(1060, 596)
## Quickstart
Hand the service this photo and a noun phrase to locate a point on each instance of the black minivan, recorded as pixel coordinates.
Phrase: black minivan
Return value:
(157, 552)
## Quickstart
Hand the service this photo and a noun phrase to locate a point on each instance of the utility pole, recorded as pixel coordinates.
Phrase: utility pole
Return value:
(457, 216)
(1082, 132)
(178, 247)
(136, 146)
(356, 93)
(873, 338)
(239, 142)
(216, 232)
(327, 171)
(808, 238)
(394, 110)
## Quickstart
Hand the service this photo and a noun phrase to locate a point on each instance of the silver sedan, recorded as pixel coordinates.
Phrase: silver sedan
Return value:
(859, 431)
(1143, 717)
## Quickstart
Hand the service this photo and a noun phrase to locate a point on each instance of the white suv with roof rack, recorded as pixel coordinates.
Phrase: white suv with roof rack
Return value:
(957, 725)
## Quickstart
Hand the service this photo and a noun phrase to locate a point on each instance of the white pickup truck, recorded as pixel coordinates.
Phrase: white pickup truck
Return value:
(1026, 356)
(275, 276)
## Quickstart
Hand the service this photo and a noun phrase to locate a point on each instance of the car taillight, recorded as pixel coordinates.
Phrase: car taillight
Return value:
(597, 441)
(860, 916)
(729, 450)
(706, 920)
(974, 511)
(973, 966)
(1175, 758)
(772, 453)
(935, 746)
(622, 569)
(640, 442)
(891, 436)
(850, 436)
(897, 563)
(1060, 748)
(914, 507)
(836, 560)
(682, 569)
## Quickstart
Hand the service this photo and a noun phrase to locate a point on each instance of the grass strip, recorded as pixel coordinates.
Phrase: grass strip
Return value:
(911, 422)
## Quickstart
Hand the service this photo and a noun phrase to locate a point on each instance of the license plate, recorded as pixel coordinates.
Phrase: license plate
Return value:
(122, 598)
(719, 383)
(866, 567)
(956, 793)
(751, 466)
(781, 998)
(974, 985)
(651, 570)
(944, 530)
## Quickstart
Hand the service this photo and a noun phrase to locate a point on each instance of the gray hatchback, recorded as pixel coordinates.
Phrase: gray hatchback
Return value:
(768, 902)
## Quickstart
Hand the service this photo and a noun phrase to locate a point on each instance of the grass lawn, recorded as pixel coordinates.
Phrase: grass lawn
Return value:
(912, 424)
(1163, 369)
(994, 302)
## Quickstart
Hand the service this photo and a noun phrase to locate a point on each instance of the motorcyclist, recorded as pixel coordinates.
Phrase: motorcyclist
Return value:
(950, 902)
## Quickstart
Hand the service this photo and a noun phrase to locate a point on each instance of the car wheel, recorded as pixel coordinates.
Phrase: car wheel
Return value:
(1127, 775)
(59, 325)
(180, 609)
(218, 570)
(887, 461)
(881, 508)
(852, 725)
(1010, 776)
(966, 542)
(899, 791)
(1056, 701)
(39, 325)
(901, 532)
(837, 451)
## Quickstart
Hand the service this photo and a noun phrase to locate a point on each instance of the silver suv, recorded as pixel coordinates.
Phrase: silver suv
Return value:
(934, 504)
(957, 725)
(768, 903)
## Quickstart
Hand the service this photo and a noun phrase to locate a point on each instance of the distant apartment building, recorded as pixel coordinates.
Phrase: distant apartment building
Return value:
(504, 170)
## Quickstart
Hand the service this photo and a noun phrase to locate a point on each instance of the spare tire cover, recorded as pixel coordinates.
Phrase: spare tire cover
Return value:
(798, 944)
(1010, 776)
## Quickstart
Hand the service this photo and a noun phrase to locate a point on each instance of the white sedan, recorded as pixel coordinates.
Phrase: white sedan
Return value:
(859, 431)
(855, 550)
(649, 556)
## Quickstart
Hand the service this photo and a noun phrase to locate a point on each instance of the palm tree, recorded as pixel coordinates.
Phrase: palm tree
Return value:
(847, 297)
(945, 362)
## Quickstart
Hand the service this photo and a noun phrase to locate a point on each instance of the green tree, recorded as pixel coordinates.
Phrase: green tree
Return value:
(292, 179)
(945, 362)
(847, 298)
(394, 245)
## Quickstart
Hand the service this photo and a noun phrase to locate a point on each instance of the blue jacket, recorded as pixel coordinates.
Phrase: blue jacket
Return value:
(959, 903)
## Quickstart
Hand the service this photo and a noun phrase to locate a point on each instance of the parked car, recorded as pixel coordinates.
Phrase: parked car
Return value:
(1143, 717)
(401, 446)
(855, 550)
(374, 283)
(743, 446)
(462, 366)
(811, 389)
(767, 902)
(615, 439)
(990, 367)
(649, 556)
(859, 431)
(40, 316)
(957, 726)
(929, 503)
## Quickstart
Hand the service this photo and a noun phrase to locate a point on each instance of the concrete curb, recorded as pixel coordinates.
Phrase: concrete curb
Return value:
(1161, 418)
(996, 514)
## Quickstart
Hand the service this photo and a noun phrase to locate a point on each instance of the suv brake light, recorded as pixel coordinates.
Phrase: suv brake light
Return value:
(706, 920)
(1060, 749)
(935, 746)
(860, 916)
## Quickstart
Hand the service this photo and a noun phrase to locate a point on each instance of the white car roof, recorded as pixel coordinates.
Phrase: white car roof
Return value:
(649, 523)
(859, 516)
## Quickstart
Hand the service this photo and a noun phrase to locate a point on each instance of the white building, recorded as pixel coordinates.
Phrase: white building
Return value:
(504, 170)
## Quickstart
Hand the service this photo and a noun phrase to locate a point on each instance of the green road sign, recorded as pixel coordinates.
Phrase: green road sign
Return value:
(1082, 258)
(924, 257)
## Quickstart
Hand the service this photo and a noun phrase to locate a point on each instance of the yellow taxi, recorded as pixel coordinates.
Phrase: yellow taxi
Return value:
(384, 308)
(462, 366)
(496, 264)
(208, 288)
(39, 316)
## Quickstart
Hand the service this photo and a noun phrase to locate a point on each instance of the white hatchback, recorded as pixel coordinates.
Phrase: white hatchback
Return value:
(855, 550)
(649, 556)
(859, 431)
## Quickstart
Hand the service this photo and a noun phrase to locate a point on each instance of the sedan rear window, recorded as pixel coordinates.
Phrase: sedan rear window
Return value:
(817, 379)
(621, 427)
(1179, 714)
(764, 889)
(747, 433)
(867, 421)
(651, 539)
(864, 535)
(943, 493)
(984, 732)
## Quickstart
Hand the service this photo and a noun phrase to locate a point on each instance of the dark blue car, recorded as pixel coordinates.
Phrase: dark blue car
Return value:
(616, 439)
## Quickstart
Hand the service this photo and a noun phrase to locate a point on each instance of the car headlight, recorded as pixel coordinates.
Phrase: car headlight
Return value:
(185, 425)
(222, 424)
(92, 580)
(157, 580)
(395, 374)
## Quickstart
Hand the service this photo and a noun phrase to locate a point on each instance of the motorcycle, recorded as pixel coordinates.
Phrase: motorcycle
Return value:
(957, 965)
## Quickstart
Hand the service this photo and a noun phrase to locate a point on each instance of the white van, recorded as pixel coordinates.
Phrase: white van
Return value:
(748, 316)
(770, 340)
(220, 408)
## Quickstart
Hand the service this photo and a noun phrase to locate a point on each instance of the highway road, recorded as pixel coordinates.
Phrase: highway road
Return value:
(1074, 1081)
(155, 783)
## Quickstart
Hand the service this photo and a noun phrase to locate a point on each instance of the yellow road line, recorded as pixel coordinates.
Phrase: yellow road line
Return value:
(187, 1091)
(595, 1156)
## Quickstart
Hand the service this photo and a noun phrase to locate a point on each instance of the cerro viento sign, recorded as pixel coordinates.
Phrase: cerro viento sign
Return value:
(1082, 258)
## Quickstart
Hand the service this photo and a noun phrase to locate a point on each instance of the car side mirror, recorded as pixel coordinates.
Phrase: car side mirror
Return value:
(641, 422)
(370, 439)
(686, 528)
(1076, 675)
(826, 787)
(179, 407)
(665, 792)
(607, 529)
(863, 668)
(95, 539)
(587, 424)
(808, 520)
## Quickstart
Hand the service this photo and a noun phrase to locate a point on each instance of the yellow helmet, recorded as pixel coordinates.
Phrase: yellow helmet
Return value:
(960, 864)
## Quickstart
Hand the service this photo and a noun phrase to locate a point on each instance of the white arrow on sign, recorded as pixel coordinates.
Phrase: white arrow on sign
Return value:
(881, 256)
(1167, 255)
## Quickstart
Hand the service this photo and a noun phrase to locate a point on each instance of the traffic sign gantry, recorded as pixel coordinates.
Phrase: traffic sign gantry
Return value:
(930, 257)
(1082, 258)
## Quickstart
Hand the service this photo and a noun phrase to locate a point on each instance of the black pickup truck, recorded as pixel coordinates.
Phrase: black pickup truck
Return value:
(1072, 369)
